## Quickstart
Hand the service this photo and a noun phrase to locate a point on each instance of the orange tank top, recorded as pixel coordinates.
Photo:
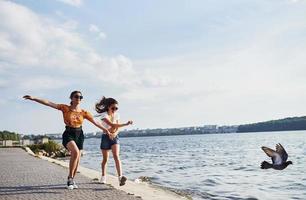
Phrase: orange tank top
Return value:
(73, 118)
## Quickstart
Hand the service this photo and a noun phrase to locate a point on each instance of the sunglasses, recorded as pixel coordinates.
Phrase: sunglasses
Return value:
(78, 97)
(114, 108)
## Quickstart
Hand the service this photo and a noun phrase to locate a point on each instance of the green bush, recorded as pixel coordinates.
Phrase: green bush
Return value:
(49, 147)
(35, 147)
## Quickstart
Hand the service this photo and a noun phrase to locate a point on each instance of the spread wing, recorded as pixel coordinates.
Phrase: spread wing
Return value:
(276, 158)
(282, 152)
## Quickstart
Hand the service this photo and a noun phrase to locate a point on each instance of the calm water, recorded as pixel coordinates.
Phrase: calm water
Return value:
(212, 166)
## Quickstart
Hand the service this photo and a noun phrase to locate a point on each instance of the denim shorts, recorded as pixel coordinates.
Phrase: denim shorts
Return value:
(107, 143)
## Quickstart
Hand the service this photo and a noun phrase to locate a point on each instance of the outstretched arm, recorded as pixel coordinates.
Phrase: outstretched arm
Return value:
(98, 125)
(41, 101)
(115, 131)
(116, 125)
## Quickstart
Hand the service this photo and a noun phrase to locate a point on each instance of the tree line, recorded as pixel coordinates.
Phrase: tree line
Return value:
(7, 135)
(287, 124)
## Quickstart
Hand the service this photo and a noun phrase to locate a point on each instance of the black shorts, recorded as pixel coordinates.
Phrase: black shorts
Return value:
(73, 134)
(107, 143)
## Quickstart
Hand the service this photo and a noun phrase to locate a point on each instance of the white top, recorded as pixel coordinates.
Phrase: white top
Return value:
(105, 115)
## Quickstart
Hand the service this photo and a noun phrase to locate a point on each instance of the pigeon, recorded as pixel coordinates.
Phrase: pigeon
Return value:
(279, 158)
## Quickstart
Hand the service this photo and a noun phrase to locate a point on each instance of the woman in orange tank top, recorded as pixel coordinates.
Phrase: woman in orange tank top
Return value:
(73, 136)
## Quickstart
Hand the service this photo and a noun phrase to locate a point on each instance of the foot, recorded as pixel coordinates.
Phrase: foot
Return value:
(70, 183)
(75, 186)
(103, 180)
(122, 180)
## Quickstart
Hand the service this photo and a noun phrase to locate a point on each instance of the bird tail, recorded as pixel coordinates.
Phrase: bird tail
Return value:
(265, 165)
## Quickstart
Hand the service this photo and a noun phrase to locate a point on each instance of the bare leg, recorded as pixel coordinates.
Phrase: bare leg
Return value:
(78, 163)
(75, 154)
(115, 151)
(104, 161)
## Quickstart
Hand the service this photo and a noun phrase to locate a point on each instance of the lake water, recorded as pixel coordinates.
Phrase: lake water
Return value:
(214, 166)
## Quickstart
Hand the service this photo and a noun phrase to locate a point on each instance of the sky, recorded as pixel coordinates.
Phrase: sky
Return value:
(173, 63)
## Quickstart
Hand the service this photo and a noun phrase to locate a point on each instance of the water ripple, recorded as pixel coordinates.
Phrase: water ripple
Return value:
(211, 166)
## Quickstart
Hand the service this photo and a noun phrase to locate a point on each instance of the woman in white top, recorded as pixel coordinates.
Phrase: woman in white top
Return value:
(108, 107)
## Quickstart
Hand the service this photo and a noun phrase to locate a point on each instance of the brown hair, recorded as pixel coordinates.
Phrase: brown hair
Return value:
(73, 93)
(104, 104)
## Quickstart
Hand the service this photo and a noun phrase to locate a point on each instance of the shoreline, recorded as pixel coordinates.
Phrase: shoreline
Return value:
(194, 134)
(143, 189)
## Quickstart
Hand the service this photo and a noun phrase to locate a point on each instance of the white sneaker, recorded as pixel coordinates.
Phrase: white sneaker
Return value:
(70, 187)
(70, 184)
(103, 180)
(75, 186)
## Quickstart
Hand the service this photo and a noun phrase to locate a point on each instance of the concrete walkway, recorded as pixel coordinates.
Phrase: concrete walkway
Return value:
(25, 177)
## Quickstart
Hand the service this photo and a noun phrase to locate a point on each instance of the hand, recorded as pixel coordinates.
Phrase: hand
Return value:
(106, 132)
(28, 97)
(113, 130)
(129, 122)
(112, 136)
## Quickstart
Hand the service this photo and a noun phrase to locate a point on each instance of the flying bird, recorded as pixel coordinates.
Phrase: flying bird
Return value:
(279, 158)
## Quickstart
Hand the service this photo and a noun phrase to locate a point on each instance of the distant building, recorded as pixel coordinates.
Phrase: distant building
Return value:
(209, 129)
(41, 140)
(227, 129)
(25, 142)
(54, 135)
(8, 143)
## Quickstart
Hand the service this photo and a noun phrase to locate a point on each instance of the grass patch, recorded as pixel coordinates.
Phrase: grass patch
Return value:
(51, 149)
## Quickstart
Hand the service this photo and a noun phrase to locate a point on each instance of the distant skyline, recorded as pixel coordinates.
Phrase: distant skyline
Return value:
(168, 63)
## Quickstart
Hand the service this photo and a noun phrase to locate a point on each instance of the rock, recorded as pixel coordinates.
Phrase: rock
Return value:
(144, 179)
(53, 155)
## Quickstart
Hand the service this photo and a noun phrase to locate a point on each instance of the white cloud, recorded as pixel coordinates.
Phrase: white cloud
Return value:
(42, 83)
(76, 3)
(296, 1)
(2, 102)
(31, 40)
(3, 83)
(34, 42)
(102, 35)
(95, 29)
(263, 76)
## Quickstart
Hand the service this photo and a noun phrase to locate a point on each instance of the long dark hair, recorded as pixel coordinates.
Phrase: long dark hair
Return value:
(73, 93)
(104, 104)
